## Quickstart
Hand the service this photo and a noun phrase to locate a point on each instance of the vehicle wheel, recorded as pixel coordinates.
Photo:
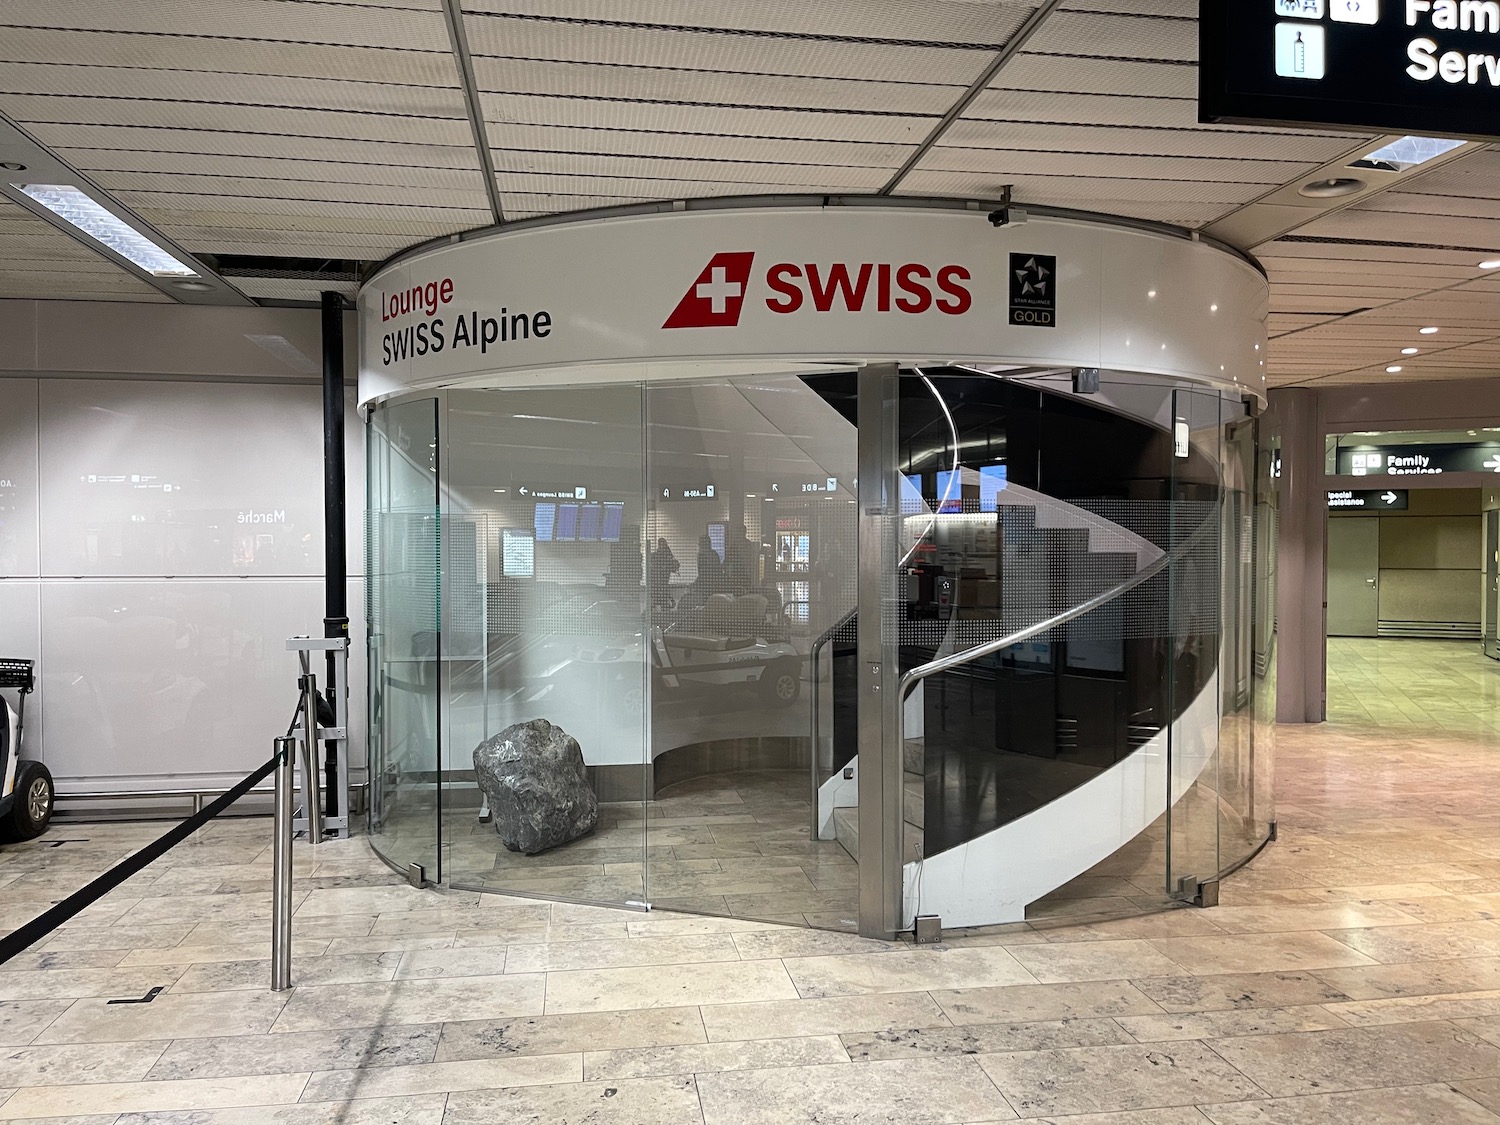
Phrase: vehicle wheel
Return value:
(33, 808)
(781, 683)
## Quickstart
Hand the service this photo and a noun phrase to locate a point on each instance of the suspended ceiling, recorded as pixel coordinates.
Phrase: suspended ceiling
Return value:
(331, 131)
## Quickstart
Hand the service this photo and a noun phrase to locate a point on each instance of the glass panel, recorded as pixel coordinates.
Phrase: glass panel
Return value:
(403, 553)
(545, 619)
(1239, 827)
(750, 535)
(1196, 588)
(1267, 536)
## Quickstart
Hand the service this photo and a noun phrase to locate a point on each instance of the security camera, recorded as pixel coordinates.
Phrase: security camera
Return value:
(1000, 218)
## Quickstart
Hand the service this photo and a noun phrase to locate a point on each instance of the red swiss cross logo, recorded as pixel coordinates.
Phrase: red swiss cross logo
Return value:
(716, 298)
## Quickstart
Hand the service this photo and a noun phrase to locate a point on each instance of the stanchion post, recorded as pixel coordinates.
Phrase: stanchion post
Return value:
(312, 805)
(281, 869)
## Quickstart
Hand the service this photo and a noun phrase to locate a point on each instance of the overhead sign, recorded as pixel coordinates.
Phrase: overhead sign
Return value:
(1392, 66)
(794, 289)
(553, 491)
(1383, 500)
(687, 492)
(1419, 460)
(799, 487)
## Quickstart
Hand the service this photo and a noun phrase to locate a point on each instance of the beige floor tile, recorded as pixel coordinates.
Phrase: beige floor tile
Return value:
(1239, 991)
(424, 964)
(1361, 1058)
(620, 953)
(122, 1097)
(641, 1101)
(1314, 916)
(915, 970)
(835, 1016)
(598, 990)
(984, 1039)
(67, 1064)
(757, 944)
(1040, 1002)
(53, 985)
(1410, 1105)
(1170, 923)
(583, 1031)
(422, 1109)
(1485, 1091)
(1258, 953)
(444, 1077)
(195, 954)
(1180, 1115)
(1416, 978)
(1487, 1027)
(185, 1016)
(1058, 962)
(928, 1091)
(1415, 1009)
(319, 1007)
(1107, 1079)
(1223, 1024)
(122, 937)
(230, 976)
(1394, 944)
(284, 1053)
(705, 1058)
(34, 960)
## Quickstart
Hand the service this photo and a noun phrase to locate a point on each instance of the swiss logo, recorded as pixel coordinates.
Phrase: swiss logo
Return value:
(1033, 290)
(716, 298)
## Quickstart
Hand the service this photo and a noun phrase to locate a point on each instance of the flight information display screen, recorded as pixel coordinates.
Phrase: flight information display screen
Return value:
(545, 522)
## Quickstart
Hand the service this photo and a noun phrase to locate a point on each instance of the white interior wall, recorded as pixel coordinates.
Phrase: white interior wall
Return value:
(158, 619)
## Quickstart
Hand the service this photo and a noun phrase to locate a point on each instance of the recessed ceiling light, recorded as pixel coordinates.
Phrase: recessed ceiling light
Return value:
(1151, 292)
(106, 228)
(1405, 153)
(1393, 370)
(1213, 308)
(1428, 331)
(12, 166)
(192, 286)
(1410, 351)
(1334, 188)
(1490, 264)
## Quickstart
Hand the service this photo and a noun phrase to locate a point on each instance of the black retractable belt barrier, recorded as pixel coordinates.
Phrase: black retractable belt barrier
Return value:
(38, 928)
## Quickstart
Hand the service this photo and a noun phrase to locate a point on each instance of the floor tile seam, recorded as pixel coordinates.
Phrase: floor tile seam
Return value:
(1209, 1044)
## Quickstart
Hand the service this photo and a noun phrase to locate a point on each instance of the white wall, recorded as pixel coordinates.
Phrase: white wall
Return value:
(158, 619)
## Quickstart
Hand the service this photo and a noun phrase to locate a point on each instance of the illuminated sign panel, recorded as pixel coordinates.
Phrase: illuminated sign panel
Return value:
(1395, 66)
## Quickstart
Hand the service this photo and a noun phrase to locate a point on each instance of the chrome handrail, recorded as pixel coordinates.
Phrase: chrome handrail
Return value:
(817, 709)
(946, 663)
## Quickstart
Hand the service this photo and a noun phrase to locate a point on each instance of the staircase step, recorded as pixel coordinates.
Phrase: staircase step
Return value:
(846, 831)
(914, 801)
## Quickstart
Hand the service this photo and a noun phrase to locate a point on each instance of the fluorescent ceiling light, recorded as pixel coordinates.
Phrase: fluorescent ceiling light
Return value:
(1392, 370)
(1428, 331)
(106, 228)
(1406, 153)
(1410, 351)
(1490, 264)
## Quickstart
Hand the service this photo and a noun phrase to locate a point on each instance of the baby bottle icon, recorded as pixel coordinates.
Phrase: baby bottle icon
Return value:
(1299, 55)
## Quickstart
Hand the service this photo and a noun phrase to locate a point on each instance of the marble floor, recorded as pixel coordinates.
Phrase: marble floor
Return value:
(1351, 974)
(1410, 684)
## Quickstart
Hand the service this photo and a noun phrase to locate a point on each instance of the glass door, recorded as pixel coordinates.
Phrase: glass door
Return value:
(1492, 584)
(404, 549)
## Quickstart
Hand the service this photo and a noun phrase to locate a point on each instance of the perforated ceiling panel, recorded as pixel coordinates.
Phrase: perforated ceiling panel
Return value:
(342, 129)
(270, 118)
(39, 261)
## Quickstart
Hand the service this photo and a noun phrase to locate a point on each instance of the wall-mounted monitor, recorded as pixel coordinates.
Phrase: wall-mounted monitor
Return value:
(992, 482)
(950, 490)
(717, 537)
(588, 523)
(545, 522)
(614, 522)
(567, 523)
(518, 552)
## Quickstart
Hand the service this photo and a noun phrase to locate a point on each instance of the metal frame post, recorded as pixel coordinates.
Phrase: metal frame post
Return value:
(879, 704)
(281, 869)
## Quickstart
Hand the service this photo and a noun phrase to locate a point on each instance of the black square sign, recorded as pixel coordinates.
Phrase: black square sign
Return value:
(1033, 290)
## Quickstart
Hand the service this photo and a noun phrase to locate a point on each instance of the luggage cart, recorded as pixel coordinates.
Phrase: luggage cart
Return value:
(26, 791)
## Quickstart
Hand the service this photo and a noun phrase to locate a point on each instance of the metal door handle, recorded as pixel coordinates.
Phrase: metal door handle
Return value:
(1371, 581)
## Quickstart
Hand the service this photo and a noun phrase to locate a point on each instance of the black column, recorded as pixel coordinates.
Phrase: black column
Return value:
(335, 553)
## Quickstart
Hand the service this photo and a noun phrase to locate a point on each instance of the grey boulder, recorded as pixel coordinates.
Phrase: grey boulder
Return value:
(538, 786)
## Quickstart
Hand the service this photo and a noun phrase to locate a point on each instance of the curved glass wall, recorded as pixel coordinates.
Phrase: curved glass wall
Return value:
(669, 572)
